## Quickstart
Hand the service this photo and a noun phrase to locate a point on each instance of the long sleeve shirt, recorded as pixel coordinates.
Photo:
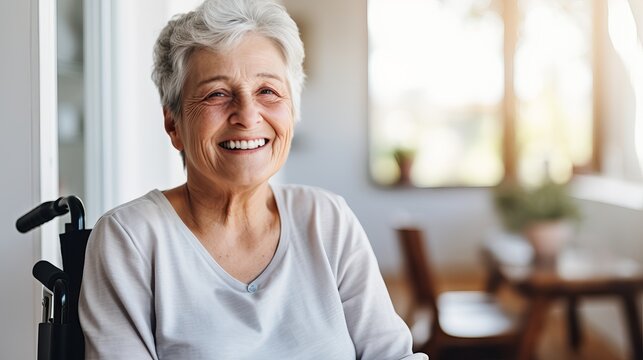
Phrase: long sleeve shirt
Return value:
(152, 291)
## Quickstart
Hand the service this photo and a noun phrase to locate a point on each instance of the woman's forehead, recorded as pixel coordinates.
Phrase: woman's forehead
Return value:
(253, 57)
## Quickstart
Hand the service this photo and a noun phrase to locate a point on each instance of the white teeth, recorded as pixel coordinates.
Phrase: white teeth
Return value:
(243, 144)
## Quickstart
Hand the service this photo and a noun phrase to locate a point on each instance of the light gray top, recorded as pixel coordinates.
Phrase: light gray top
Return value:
(152, 291)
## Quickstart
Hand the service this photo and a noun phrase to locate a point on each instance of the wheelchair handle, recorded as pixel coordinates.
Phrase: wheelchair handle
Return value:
(51, 209)
(48, 274)
(57, 282)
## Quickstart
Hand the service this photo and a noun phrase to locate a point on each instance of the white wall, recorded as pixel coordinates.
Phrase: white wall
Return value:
(19, 180)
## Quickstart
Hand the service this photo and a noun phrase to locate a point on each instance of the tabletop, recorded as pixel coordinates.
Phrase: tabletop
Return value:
(574, 274)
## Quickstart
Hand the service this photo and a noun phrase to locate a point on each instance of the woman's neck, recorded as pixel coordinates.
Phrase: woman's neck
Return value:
(207, 209)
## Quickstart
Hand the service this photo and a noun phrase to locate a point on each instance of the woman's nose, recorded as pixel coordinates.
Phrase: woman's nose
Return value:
(247, 114)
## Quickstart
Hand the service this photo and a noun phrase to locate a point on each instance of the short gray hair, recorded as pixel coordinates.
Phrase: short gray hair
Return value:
(217, 25)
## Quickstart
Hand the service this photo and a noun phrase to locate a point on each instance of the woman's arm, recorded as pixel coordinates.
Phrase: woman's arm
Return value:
(375, 328)
(116, 300)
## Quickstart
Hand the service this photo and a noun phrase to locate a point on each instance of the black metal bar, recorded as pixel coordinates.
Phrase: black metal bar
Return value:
(40, 215)
(76, 211)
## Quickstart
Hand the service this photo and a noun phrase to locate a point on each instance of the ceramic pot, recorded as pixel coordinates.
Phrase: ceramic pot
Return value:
(405, 164)
(405, 171)
(548, 238)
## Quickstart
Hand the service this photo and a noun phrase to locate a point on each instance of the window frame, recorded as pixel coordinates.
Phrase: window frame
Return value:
(509, 144)
(508, 114)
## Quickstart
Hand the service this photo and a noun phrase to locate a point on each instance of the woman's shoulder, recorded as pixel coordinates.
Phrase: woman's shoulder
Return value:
(141, 223)
(148, 206)
(308, 205)
(302, 195)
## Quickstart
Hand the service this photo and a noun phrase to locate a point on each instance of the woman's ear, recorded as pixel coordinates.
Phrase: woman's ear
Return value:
(172, 130)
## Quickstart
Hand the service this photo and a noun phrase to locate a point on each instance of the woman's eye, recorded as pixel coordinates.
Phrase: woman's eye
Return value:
(216, 94)
(267, 92)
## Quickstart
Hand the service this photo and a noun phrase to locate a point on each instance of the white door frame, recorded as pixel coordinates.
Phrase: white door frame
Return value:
(28, 144)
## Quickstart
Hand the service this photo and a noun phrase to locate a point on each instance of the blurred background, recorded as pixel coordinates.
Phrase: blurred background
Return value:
(413, 110)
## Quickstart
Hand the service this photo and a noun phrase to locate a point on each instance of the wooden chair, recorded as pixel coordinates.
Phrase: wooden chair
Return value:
(465, 324)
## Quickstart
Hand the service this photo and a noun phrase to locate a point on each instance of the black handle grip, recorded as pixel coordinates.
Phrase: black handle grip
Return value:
(47, 274)
(40, 215)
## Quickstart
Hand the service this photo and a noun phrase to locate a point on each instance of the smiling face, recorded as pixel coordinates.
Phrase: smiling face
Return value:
(237, 119)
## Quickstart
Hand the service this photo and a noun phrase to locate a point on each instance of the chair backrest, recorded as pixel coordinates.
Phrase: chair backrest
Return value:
(418, 266)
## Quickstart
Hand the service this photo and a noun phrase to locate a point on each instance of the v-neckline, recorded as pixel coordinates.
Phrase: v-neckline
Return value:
(212, 262)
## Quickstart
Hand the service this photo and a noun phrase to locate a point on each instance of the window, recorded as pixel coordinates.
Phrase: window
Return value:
(466, 93)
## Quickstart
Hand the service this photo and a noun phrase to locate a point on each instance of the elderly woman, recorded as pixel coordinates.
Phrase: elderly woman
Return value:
(228, 266)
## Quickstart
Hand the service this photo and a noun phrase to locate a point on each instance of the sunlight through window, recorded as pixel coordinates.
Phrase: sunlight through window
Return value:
(437, 90)
(624, 37)
(553, 86)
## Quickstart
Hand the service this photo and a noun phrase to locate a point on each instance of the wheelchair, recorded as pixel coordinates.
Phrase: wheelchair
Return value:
(60, 336)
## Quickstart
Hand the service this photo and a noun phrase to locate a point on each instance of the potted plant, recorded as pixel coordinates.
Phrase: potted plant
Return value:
(404, 158)
(543, 214)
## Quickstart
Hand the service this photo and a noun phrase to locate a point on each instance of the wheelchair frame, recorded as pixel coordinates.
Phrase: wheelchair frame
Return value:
(60, 336)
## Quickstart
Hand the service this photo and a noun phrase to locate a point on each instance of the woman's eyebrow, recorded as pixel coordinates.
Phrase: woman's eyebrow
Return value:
(270, 76)
(226, 78)
(212, 79)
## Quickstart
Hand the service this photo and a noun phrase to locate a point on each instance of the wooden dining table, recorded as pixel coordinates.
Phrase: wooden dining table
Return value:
(575, 274)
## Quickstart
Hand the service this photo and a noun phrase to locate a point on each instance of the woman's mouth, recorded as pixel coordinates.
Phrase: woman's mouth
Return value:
(244, 144)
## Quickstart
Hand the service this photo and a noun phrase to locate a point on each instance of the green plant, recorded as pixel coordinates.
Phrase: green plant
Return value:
(402, 154)
(519, 206)
(404, 158)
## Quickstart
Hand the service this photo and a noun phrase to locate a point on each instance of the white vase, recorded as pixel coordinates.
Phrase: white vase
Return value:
(548, 238)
